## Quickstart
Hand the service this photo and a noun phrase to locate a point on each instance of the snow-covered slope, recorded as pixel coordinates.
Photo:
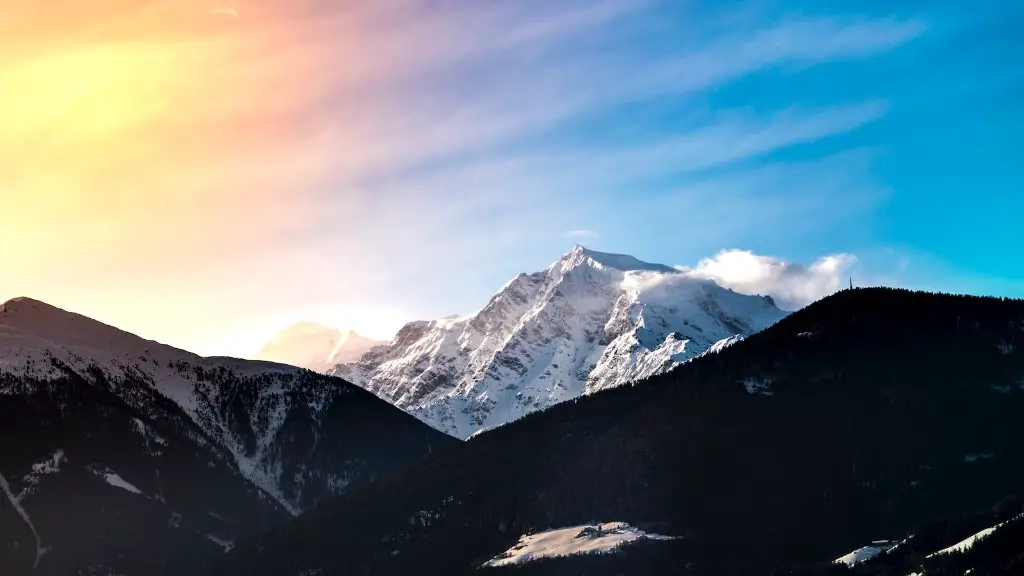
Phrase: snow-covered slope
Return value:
(967, 543)
(601, 538)
(315, 347)
(33, 333)
(590, 321)
(862, 554)
(43, 342)
(291, 433)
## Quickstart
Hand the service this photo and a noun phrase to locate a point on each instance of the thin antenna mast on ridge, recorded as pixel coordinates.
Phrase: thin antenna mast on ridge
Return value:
(851, 282)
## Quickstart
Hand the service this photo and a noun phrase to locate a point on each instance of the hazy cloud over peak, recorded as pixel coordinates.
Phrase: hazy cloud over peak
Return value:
(792, 285)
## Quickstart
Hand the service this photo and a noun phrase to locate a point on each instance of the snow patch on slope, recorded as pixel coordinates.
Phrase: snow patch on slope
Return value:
(262, 471)
(16, 503)
(861, 555)
(227, 545)
(588, 539)
(114, 479)
(723, 344)
(46, 467)
(148, 434)
(622, 261)
(43, 342)
(966, 543)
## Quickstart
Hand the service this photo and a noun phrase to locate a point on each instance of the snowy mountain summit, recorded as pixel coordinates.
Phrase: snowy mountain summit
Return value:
(315, 347)
(589, 321)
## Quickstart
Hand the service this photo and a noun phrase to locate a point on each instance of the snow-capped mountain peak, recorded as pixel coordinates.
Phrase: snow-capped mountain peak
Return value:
(315, 347)
(33, 332)
(580, 255)
(26, 323)
(589, 321)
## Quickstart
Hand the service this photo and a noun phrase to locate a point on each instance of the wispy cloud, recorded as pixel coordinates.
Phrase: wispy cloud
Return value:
(518, 200)
(734, 137)
(529, 95)
(581, 234)
(470, 126)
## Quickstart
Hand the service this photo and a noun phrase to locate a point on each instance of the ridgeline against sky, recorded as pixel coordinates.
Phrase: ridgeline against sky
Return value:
(205, 175)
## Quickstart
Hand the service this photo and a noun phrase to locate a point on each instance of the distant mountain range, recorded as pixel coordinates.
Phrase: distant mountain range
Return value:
(589, 322)
(859, 435)
(121, 455)
(315, 347)
(853, 421)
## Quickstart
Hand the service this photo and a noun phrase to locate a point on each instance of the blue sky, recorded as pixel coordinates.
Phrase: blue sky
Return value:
(674, 130)
(382, 162)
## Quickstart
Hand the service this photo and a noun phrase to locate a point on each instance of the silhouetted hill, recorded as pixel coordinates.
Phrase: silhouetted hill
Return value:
(94, 486)
(849, 421)
(123, 456)
(989, 542)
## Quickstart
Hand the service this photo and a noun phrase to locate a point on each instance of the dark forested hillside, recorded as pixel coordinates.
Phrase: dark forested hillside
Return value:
(998, 552)
(852, 420)
(123, 456)
(94, 486)
(311, 436)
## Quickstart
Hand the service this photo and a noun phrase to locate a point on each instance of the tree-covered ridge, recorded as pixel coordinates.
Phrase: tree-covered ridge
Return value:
(998, 553)
(187, 490)
(848, 421)
(140, 485)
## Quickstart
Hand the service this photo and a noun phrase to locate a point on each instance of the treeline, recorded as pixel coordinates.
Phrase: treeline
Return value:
(999, 554)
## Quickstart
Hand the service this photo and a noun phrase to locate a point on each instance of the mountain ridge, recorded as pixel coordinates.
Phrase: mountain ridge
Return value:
(253, 442)
(589, 321)
(850, 420)
(623, 262)
(23, 317)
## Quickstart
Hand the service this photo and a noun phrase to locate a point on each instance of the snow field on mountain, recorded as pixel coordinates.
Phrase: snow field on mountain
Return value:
(587, 539)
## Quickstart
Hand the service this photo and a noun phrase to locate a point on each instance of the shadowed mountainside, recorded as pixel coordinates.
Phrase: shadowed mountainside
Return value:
(851, 420)
(120, 455)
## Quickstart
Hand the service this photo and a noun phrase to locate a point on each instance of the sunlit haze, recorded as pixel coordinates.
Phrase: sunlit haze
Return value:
(205, 174)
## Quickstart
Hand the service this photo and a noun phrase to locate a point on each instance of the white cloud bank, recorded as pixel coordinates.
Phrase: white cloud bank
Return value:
(792, 285)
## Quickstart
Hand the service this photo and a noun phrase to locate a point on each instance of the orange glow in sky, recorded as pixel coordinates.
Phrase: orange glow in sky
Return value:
(152, 152)
(205, 172)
